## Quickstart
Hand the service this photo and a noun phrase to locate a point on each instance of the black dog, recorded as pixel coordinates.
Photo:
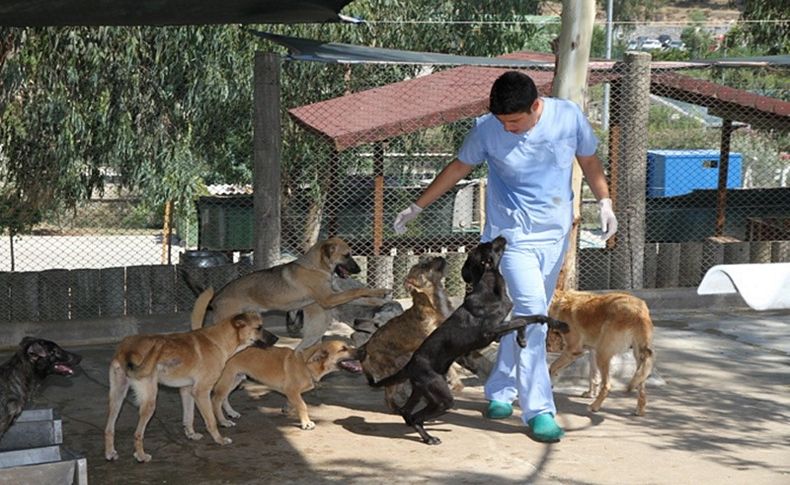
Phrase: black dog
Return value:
(474, 325)
(20, 375)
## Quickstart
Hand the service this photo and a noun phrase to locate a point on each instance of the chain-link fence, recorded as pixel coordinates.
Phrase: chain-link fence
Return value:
(359, 151)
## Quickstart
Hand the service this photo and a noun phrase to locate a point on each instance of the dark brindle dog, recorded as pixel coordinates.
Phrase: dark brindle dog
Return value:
(20, 375)
(475, 324)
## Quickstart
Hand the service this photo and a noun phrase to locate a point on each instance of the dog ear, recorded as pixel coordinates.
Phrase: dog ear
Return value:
(439, 264)
(499, 244)
(328, 249)
(472, 270)
(318, 356)
(34, 348)
(240, 320)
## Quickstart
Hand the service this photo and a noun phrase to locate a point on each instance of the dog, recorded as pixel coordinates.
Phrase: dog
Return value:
(391, 346)
(191, 361)
(20, 375)
(607, 324)
(287, 371)
(290, 286)
(474, 325)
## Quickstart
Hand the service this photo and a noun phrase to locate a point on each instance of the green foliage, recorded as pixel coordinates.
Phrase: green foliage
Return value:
(769, 31)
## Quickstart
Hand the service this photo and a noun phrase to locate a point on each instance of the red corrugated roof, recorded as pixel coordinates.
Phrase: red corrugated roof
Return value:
(446, 96)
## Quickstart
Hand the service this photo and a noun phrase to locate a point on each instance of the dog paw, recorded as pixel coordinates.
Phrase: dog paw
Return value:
(142, 457)
(192, 435)
(308, 425)
(227, 423)
(111, 456)
(432, 440)
(224, 441)
(234, 414)
(594, 408)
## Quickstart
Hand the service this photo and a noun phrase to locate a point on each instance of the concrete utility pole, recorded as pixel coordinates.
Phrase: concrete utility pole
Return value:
(570, 82)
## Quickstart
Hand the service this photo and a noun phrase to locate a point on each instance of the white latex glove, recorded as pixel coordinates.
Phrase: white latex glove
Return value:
(405, 216)
(608, 220)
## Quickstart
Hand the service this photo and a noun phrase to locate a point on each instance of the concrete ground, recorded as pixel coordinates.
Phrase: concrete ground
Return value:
(721, 414)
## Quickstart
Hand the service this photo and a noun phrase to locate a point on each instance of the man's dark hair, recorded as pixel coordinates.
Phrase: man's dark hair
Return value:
(512, 92)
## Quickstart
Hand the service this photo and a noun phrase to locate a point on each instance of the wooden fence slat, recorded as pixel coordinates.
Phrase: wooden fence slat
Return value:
(138, 290)
(112, 292)
(185, 297)
(760, 251)
(85, 293)
(736, 252)
(163, 282)
(690, 271)
(5, 296)
(53, 288)
(24, 295)
(650, 265)
(780, 252)
(668, 266)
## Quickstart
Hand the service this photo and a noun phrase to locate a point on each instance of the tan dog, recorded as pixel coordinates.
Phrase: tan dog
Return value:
(284, 370)
(392, 345)
(290, 286)
(607, 324)
(191, 361)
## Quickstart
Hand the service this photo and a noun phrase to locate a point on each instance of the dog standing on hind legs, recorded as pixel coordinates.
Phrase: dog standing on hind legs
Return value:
(607, 324)
(475, 324)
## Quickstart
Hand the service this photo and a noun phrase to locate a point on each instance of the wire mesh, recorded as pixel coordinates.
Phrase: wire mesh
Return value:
(363, 147)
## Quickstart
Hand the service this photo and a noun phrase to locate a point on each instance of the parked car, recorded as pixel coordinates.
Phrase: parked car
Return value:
(650, 45)
(677, 44)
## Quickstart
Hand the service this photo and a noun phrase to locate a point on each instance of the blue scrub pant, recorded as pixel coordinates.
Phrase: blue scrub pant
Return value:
(531, 275)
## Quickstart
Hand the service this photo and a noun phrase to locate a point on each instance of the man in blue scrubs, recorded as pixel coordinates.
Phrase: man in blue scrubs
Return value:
(529, 143)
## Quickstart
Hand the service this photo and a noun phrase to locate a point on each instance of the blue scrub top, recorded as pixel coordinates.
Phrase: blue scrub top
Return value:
(529, 194)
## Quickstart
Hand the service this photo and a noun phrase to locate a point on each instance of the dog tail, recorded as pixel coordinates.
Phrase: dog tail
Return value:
(200, 308)
(645, 357)
(553, 324)
(148, 363)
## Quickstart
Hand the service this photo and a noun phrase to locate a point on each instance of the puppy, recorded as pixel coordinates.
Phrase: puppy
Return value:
(284, 370)
(20, 375)
(607, 324)
(475, 324)
(391, 346)
(290, 286)
(191, 361)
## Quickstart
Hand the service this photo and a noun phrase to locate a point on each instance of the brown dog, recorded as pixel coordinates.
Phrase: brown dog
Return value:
(391, 346)
(284, 370)
(191, 361)
(290, 286)
(607, 324)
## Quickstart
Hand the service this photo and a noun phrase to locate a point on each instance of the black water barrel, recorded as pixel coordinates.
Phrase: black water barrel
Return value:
(201, 258)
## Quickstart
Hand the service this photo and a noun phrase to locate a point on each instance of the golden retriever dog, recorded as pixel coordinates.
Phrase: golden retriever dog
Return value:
(191, 361)
(290, 286)
(606, 324)
(284, 370)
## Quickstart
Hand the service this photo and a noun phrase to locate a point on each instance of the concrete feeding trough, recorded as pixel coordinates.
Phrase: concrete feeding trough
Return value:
(31, 451)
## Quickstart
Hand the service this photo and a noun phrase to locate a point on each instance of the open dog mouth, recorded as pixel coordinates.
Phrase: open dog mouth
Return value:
(63, 369)
(350, 365)
(342, 271)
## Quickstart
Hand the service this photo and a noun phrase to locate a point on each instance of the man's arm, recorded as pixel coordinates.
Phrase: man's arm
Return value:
(592, 168)
(447, 178)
